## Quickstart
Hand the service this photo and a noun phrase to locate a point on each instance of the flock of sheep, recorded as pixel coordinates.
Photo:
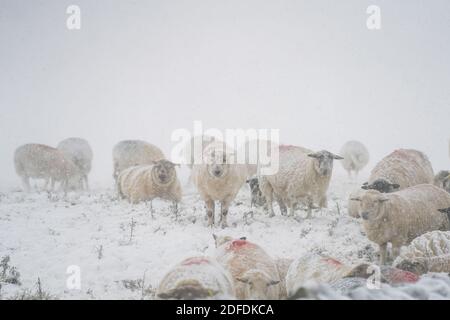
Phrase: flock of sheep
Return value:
(403, 203)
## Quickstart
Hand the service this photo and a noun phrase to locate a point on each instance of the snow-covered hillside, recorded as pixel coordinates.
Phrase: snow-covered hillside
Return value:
(124, 250)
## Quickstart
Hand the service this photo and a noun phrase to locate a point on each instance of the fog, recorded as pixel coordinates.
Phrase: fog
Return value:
(141, 69)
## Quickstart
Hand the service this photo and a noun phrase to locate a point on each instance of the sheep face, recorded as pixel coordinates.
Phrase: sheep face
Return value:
(163, 172)
(323, 163)
(371, 205)
(258, 285)
(217, 164)
(381, 185)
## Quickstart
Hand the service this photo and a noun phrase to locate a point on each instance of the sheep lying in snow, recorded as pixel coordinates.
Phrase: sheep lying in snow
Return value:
(80, 152)
(428, 253)
(401, 169)
(129, 153)
(218, 180)
(39, 161)
(147, 182)
(196, 278)
(314, 269)
(401, 216)
(254, 272)
(356, 157)
(303, 176)
(442, 180)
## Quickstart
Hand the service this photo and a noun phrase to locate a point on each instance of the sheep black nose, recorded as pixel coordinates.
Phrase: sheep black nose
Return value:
(365, 215)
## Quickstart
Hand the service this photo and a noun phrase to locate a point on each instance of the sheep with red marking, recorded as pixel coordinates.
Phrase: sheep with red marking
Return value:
(401, 216)
(129, 153)
(196, 278)
(254, 272)
(218, 178)
(303, 176)
(400, 169)
(428, 253)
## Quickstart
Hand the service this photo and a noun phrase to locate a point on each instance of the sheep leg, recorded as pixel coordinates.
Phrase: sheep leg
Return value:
(26, 183)
(310, 206)
(224, 205)
(267, 191)
(175, 209)
(383, 253)
(395, 252)
(282, 206)
(210, 212)
(86, 182)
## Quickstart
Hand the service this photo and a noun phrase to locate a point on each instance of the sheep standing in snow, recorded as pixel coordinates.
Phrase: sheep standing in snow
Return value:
(147, 182)
(303, 176)
(196, 278)
(80, 152)
(401, 169)
(254, 272)
(442, 180)
(401, 216)
(39, 161)
(217, 179)
(356, 157)
(129, 153)
(429, 252)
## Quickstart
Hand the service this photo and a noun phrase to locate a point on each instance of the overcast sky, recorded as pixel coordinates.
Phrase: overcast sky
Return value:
(141, 69)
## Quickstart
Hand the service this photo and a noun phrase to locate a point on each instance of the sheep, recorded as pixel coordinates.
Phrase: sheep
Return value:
(429, 252)
(442, 180)
(147, 182)
(129, 153)
(303, 175)
(257, 199)
(401, 216)
(39, 161)
(216, 179)
(254, 272)
(356, 157)
(400, 169)
(196, 278)
(353, 206)
(312, 268)
(80, 152)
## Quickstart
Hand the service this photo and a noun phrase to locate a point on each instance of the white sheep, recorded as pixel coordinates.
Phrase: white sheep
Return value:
(353, 206)
(399, 217)
(442, 180)
(39, 161)
(303, 176)
(80, 152)
(218, 178)
(312, 269)
(129, 153)
(254, 272)
(400, 169)
(356, 157)
(147, 182)
(429, 252)
(196, 278)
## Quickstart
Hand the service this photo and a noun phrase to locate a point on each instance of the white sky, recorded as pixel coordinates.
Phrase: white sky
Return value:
(141, 69)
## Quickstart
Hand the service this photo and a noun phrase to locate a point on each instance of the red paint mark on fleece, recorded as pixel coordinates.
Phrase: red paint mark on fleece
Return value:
(333, 261)
(238, 244)
(195, 260)
(400, 276)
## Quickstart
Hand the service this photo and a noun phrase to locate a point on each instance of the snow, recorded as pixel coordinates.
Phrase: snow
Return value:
(44, 234)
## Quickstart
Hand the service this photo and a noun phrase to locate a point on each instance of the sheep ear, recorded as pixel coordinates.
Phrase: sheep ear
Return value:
(365, 184)
(312, 155)
(243, 238)
(383, 200)
(336, 157)
(273, 282)
(395, 185)
(446, 210)
(365, 187)
(243, 280)
(355, 199)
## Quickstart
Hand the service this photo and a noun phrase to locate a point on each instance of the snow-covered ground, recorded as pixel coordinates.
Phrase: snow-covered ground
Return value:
(124, 250)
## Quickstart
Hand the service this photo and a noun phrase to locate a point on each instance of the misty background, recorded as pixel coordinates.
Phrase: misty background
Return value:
(141, 69)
